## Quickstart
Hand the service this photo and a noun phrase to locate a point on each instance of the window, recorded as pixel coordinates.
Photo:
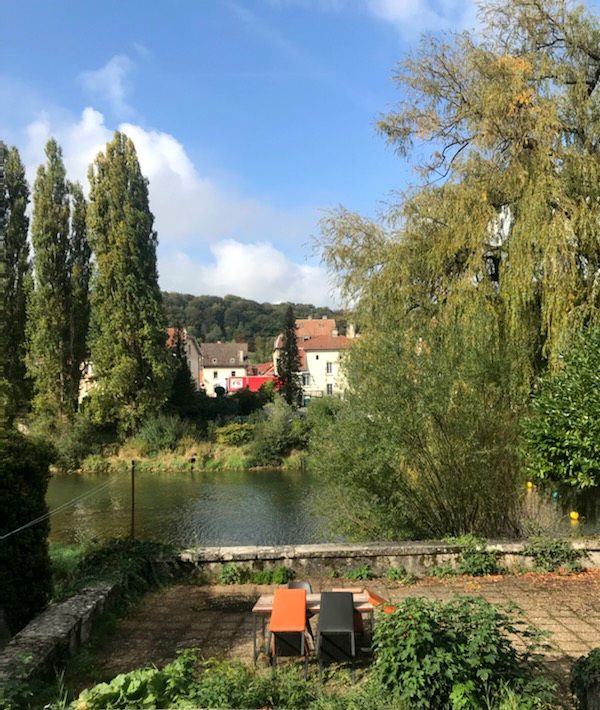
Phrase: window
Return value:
(329, 389)
(233, 373)
(316, 357)
(232, 360)
(214, 361)
(215, 375)
(305, 379)
(329, 368)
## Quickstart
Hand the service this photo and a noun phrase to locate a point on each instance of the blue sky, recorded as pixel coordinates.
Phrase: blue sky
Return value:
(250, 117)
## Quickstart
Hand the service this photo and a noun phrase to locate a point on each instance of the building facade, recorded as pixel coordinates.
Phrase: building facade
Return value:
(220, 362)
(321, 351)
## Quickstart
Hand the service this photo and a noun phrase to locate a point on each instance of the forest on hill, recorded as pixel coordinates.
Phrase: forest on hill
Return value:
(213, 318)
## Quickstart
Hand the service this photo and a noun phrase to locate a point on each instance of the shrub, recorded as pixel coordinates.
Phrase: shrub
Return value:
(134, 563)
(278, 429)
(551, 554)
(363, 572)
(163, 433)
(399, 574)
(234, 434)
(584, 674)
(231, 574)
(451, 654)
(562, 433)
(25, 573)
(95, 463)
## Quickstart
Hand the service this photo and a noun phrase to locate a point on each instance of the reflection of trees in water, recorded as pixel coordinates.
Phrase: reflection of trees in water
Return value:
(546, 511)
(200, 507)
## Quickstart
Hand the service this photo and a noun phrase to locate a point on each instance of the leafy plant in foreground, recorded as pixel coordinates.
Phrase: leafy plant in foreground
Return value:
(585, 673)
(443, 654)
(231, 573)
(360, 573)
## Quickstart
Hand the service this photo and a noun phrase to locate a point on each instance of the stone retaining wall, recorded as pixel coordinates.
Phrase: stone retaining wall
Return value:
(336, 559)
(54, 635)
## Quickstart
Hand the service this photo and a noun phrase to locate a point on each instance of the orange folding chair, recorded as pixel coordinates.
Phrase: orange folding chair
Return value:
(287, 627)
(378, 601)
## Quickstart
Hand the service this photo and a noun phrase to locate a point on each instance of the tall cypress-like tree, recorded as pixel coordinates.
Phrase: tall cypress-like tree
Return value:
(288, 367)
(130, 361)
(15, 276)
(80, 268)
(49, 305)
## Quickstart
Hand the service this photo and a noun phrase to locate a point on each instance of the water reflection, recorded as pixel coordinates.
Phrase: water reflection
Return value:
(206, 507)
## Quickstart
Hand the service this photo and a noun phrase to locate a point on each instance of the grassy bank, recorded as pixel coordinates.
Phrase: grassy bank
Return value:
(201, 455)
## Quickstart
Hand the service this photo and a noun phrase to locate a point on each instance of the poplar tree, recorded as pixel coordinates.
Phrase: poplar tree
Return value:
(15, 275)
(288, 366)
(48, 327)
(80, 268)
(129, 356)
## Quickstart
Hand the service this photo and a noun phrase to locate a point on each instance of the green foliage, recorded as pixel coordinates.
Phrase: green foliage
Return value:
(362, 572)
(163, 432)
(234, 434)
(562, 433)
(278, 429)
(132, 366)
(58, 310)
(552, 554)
(135, 564)
(585, 675)
(25, 575)
(475, 560)
(15, 275)
(412, 451)
(231, 573)
(452, 654)
(72, 440)
(279, 575)
(288, 363)
(399, 574)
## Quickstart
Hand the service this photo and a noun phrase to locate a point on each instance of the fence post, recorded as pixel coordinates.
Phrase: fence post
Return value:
(132, 533)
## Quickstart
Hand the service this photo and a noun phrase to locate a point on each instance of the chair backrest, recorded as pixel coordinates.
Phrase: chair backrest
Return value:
(289, 610)
(300, 585)
(336, 626)
(378, 601)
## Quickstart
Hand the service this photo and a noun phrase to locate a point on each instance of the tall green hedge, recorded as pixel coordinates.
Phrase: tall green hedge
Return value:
(25, 573)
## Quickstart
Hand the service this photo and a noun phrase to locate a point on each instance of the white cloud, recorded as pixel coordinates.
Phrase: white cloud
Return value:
(213, 239)
(258, 271)
(411, 16)
(110, 83)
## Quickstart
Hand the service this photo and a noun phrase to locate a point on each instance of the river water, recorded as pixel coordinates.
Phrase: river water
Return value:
(193, 508)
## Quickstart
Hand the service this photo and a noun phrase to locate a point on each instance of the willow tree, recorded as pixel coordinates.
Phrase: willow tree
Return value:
(15, 275)
(500, 238)
(129, 357)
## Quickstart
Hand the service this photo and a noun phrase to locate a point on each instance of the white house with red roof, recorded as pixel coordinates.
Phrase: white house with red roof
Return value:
(321, 351)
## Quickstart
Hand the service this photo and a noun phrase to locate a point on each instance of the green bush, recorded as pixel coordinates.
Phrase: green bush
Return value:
(25, 573)
(234, 434)
(360, 573)
(133, 563)
(562, 432)
(585, 673)
(95, 463)
(552, 554)
(399, 574)
(452, 654)
(231, 573)
(278, 429)
(163, 432)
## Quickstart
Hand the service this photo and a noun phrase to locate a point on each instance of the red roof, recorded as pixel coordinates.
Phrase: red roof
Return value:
(264, 368)
(313, 327)
(325, 342)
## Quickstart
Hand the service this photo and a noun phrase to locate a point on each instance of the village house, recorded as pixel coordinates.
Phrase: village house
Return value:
(191, 350)
(321, 349)
(220, 362)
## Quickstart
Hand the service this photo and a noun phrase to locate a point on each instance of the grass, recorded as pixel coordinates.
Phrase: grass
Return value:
(64, 559)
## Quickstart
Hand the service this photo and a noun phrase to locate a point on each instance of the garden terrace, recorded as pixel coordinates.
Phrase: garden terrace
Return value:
(217, 619)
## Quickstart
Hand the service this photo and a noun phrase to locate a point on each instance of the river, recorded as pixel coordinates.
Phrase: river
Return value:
(194, 508)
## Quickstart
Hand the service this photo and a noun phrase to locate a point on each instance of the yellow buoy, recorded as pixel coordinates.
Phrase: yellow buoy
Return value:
(529, 485)
(574, 515)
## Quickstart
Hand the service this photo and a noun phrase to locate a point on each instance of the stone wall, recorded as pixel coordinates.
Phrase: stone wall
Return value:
(336, 559)
(53, 635)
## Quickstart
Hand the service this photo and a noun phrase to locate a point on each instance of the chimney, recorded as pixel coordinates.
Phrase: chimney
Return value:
(323, 317)
(334, 333)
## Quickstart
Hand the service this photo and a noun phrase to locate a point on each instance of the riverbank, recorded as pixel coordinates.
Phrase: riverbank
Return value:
(206, 456)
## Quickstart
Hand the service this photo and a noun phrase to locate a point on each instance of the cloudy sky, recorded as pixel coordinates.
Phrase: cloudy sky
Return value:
(250, 118)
